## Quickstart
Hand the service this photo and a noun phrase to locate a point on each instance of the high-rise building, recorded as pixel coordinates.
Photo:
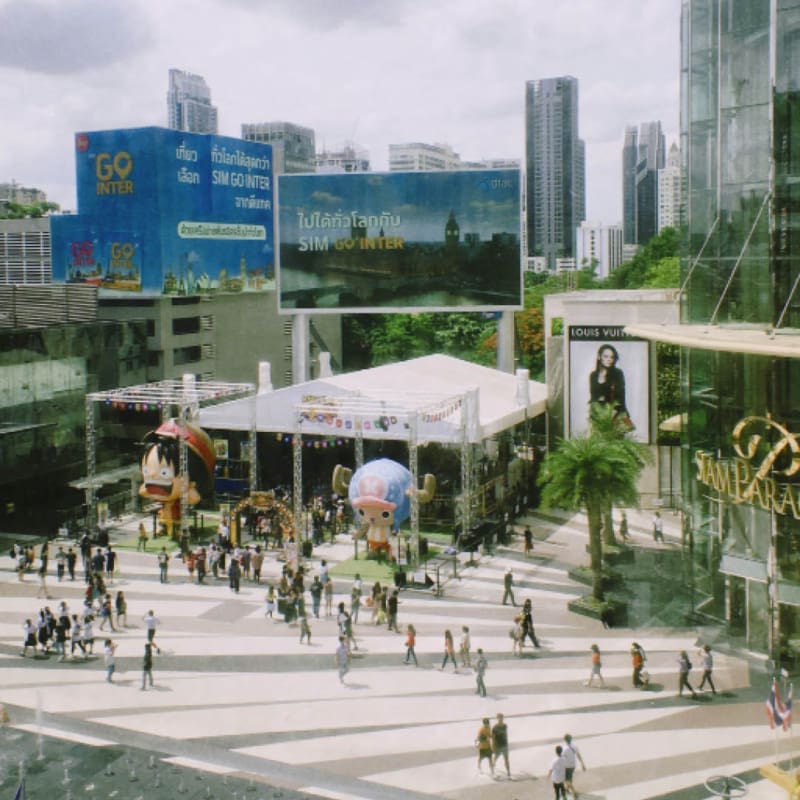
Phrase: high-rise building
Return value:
(555, 160)
(670, 187)
(351, 158)
(600, 245)
(24, 195)
(293, 146)
(418, 156)
(25, 251)
(740, 316)
(630, 155)
(189, 103)
(643, 155)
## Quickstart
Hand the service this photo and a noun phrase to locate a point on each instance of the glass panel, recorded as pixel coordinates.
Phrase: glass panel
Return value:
(758, 617)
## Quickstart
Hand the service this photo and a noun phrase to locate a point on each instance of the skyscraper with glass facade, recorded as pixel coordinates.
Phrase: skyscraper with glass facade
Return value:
(189, 103)
(555, 162)
(643, 154)
(740, 331)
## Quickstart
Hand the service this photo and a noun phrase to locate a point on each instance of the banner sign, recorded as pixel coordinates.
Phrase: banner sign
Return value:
(608, 366)
(400, 241)
(163, 211)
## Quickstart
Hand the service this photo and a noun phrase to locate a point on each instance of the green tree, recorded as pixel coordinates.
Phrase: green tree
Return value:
(594, 472)
(645, 265)
(12, 210)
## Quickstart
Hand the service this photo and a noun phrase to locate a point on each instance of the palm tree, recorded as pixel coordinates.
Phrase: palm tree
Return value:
(593, 472)
(607, 422)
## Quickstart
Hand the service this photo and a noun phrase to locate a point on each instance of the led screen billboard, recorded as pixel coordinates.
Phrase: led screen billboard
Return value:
(607, 366)
(399, 241)
(163, 211)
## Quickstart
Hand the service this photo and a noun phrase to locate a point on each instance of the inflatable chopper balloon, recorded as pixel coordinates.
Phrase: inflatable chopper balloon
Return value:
(380, 493)
(162, 481)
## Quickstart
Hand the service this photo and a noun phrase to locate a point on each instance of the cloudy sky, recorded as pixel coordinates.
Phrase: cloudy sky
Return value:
(371, 72)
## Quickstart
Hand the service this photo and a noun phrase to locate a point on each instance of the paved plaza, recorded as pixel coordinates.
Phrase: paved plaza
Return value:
(240, 708)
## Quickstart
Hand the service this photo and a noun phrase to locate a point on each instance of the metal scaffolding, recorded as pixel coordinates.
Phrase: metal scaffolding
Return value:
(172, 398)
(409, 411)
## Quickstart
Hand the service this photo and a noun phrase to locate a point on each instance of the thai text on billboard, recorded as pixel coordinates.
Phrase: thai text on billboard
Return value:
(163, 211)
(399, 241)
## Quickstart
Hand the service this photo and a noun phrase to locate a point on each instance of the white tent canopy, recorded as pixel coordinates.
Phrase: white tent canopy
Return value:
(428, 392)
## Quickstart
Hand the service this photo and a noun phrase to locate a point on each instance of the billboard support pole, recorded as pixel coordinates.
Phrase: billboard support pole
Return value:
(299, 348)
(505, 342)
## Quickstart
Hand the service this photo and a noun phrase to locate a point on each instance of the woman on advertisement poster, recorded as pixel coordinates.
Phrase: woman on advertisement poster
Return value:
(607, 383)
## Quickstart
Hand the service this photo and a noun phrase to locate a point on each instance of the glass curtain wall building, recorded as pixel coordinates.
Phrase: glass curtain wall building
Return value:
(740, 331)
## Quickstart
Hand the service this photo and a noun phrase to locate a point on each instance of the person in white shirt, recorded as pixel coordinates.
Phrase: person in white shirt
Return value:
(151, 622)
(571, 756)
(557, 774)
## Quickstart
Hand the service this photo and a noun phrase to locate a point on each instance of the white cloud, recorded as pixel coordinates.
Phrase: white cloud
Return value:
(377, 73)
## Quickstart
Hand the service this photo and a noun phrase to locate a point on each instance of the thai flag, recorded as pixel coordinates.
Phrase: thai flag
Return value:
(777, 712)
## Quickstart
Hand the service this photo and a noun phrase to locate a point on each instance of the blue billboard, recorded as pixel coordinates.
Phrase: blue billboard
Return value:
(168, 212)
(400, 241)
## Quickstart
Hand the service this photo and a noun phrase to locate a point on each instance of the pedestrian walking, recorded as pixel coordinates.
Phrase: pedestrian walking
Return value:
(87, 635)
(121, 607)
(345, 623)
(527, 625)
(480, 671)
(684, 668)
(28, 637)
(316, 589)
(256, 562)
(557, 774)
(147, 666)
(597, 665)
(109, 648)
(638, 660)
(61, 564)
(112, 563)
(658, 527)
(571, 756)
(623, 528)
(305, 630)
(61, 633)
(151, 623)
(163, 565)
(411, 641)
(515, 634)
(43, 591)
(342, 658)
(76, 639)
(483, 741)
(464, 646)
(500, 743)
(106, 613)
(72, 558)
(392, 602)
(355, 600)
(234, 575)
(328, 593)
(269, 608)
(528, 539)
(449, 651)
(374, 602)
(508, 584)
(708, 667)
(141, 541)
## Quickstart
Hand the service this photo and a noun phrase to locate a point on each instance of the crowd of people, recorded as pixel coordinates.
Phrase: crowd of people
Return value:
(296, 598)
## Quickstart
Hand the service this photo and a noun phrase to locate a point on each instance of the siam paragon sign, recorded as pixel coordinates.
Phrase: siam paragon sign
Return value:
(766, 455)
